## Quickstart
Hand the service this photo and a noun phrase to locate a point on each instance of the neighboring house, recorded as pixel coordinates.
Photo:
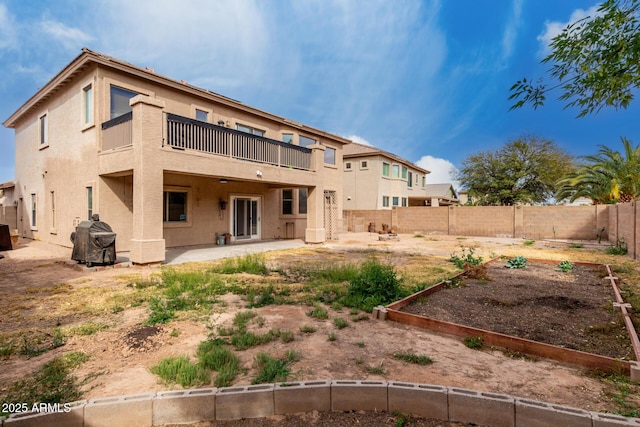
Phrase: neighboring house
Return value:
(167, 164)
(375, 179)
(441, 195)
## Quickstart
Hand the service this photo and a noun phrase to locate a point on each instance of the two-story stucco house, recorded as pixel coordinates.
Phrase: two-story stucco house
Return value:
(167, 164)
(375, 179)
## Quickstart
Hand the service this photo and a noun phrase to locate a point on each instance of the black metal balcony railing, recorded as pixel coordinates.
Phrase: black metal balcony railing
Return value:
(188, 134)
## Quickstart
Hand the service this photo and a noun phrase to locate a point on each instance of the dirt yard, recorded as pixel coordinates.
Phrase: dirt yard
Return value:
(101, 314)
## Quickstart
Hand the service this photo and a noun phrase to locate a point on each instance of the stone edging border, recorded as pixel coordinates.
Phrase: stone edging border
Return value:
(263, 400)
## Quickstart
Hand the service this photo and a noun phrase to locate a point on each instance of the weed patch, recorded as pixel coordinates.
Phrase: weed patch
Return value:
(413, 358)
(271, 369)
(181, 371)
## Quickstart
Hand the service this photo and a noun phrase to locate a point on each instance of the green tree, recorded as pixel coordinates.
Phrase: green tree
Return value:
(524, 170)
(595, 62)
(607, 177)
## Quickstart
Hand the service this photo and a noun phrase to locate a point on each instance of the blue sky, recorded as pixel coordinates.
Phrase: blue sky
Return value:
(427, 80)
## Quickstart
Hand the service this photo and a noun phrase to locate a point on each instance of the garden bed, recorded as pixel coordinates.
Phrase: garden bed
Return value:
(572, 310)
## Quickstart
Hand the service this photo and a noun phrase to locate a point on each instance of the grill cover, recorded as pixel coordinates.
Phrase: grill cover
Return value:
(94, 243)
(5, 238)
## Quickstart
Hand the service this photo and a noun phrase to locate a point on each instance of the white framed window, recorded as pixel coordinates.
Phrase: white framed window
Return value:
(249, 129)
(410, 179)
(34, 211)
(347, 165)
(53, 210)
(202, 115)
(424, 181)
(302, 200)
(330, 156)
(306, 141)
(404, 172)
(385, 169)
(396, 171)
(396, 201)
(287, 202)
(404, 202)
(89, 203)
(364, 164)
(44, 130)
(87, 105)
(119, 101)
(385, 201)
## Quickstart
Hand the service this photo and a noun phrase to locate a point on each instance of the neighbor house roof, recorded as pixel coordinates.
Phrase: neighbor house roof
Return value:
(444, 190)
(355, 150)
(90, 58)
(8, 184)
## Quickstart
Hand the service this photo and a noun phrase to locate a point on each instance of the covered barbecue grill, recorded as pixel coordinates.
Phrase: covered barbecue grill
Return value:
(94, 242)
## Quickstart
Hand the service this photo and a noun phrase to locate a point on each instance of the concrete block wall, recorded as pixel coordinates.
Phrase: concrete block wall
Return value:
(624, 223)
(560, 222)
(422, 220)
(257, 401)
(488, 221)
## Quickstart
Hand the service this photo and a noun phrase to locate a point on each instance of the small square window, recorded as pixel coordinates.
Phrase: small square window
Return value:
(363, 164)
(202, 115)
(396, 201)
(347, 165)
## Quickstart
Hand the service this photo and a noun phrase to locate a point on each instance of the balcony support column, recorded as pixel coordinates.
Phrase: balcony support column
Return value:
(315, 232)
(147, 244)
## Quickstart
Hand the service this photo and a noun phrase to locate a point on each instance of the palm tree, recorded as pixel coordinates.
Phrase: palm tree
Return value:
(607, 177)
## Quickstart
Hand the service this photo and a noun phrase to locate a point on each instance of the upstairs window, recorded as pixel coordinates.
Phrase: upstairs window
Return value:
(396, 171)
(305, 142)
(410, 179)
(364, 164)
(120, 101)
(287, 138)
(385, 169)
(87, 101)
(404, 172)
(202, 115)
(249, 129)
(347, 165)
(330, 156)
(44, 131)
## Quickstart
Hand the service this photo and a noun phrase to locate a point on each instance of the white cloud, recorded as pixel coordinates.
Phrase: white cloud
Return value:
(553, 28)
(7, 29)
(511, 31)
(441, 170)
(359, 140)
(69, 37)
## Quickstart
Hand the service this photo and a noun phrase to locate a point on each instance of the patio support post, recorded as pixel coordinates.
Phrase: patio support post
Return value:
(315, 233)
(147, 244)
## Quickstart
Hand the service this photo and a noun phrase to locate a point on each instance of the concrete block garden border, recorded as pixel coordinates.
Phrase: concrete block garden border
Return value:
(258, 401)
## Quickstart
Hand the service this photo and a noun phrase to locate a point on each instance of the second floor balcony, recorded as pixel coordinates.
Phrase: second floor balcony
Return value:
(183, 133)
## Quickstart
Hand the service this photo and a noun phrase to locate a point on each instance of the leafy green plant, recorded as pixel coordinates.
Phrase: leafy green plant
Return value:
(528, 242)
(160, 312)
(517, 262)
(565, 266)
(181, 371)
(465, 257)
(620, 248)
(332, 336)
(474, 342)
(413, 358)
(215, 356)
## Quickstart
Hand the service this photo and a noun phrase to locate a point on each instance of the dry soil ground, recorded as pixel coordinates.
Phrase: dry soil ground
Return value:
(38, 292)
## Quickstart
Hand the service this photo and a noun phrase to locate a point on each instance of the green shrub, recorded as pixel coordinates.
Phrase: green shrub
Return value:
(212, 355)
(517, 262)
(308, 329)
(474, 342)
(271, 369)
(318, 312)
(466, 257)
(376, 284)
(332, 336)
(286, 336)
(340, 322)
(619, 249)
(565, 266)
